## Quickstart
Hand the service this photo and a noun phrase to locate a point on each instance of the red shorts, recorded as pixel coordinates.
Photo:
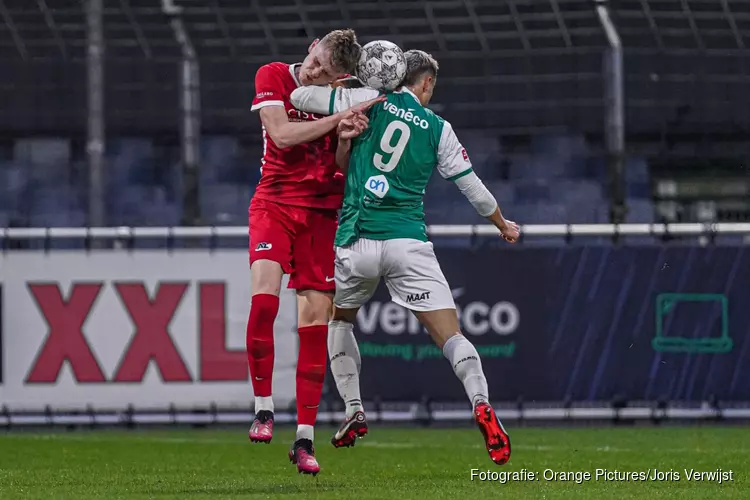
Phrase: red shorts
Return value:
(300, 239)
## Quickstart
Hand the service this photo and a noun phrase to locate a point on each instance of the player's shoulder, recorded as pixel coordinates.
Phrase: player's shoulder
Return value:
(276, 66)
(278, 70)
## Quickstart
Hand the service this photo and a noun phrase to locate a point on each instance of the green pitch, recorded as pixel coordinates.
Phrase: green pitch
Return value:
(391, 464)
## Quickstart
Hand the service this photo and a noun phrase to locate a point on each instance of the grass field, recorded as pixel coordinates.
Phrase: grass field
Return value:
(391, 464)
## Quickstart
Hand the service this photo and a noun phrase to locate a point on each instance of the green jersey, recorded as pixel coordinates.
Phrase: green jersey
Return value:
(391, 162)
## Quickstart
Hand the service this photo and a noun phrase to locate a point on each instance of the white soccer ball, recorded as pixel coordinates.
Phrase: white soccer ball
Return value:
(382, 65)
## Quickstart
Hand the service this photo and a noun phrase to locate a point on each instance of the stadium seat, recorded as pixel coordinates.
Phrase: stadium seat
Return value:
(532, 191)
(484, 151)
(503, 191)
(539, 213)
(534, 167)
(639, 211)
(64, 218)
(46, 151)
(570, 192)
(225, 204)
(636, 170)
(217, 153)
(639, 190)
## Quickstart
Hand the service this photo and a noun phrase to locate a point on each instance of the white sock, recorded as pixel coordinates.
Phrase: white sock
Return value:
(345, 364)
(263, 403)
(306, 432)
(467, 366)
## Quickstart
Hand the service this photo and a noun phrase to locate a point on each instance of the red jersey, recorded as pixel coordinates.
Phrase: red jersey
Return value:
(305, 175)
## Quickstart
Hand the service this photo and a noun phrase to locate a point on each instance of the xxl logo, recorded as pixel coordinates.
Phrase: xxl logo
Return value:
(151, 339)
(476, 318)
(377, 185)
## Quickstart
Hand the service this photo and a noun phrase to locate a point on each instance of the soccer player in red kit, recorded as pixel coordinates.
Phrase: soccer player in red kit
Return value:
(293, 221)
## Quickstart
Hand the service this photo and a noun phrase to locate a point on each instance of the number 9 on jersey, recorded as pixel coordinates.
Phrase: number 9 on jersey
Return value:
(391, 150)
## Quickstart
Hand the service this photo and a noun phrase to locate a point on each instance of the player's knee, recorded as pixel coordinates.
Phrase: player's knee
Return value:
(313, 308)
(348, 315)
(263, 312)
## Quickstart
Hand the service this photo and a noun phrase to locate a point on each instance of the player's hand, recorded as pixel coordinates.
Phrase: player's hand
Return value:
(510, 231)
(349, 128)
(364, 106)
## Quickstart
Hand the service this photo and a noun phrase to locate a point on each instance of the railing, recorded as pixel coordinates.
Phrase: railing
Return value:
(529, 230)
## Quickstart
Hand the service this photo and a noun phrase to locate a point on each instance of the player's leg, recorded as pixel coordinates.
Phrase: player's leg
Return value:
(418, 284)
(312, 277)
(357, 276)
(270, 256)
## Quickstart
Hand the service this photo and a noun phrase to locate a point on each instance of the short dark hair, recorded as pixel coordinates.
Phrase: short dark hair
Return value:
(419, 63)
(345, 50)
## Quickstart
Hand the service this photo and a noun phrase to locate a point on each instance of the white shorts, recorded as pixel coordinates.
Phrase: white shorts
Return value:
(409, 267)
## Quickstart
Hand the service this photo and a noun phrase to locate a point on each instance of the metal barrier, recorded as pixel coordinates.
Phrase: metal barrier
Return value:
(529, 230)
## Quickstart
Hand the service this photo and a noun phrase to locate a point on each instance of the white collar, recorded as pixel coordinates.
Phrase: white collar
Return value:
(292, 67)
(406, 90)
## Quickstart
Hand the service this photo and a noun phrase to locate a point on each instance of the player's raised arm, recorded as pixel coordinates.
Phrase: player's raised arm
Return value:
(454, 165)
(329, 101)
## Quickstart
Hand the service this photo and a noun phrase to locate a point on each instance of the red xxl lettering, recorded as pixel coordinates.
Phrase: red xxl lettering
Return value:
(65, 341)
(217, 363)
(151, 339)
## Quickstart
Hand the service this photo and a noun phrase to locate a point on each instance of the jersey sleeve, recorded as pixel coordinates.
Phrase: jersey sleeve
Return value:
(327, 101)
(453, 162)
(268, 88)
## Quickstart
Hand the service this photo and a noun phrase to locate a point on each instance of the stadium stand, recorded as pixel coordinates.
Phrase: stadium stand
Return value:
(521, 82)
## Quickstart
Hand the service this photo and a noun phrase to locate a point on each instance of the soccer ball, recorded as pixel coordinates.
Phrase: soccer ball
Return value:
(382, 65)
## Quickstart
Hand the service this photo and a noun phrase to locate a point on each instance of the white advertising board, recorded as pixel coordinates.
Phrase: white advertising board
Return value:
(152, 329)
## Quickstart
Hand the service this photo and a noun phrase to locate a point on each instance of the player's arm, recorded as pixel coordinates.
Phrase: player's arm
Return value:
(269, 102)
(347, 130)
(343, 153)
(454, 165)
(286, 134)
(329, 101)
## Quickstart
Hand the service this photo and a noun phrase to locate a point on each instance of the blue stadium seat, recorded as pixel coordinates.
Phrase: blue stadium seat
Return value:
(534, 167)
(45, 151)
(638, 189)
(67, 218)
(636, 170)
(13, 185)
(225, 204)
(639, 211)
(539, 213)
(532, 190)
(570, 192)
(588, 212)
(503, 191)
(217, 154)
(484, 151)
(54, 200)
(565, 154)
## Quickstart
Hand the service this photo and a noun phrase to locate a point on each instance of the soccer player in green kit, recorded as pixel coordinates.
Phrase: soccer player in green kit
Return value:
(390, 156)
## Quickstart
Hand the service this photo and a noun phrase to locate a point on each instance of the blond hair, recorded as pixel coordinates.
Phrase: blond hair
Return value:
(344, 49)
(418, 63)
